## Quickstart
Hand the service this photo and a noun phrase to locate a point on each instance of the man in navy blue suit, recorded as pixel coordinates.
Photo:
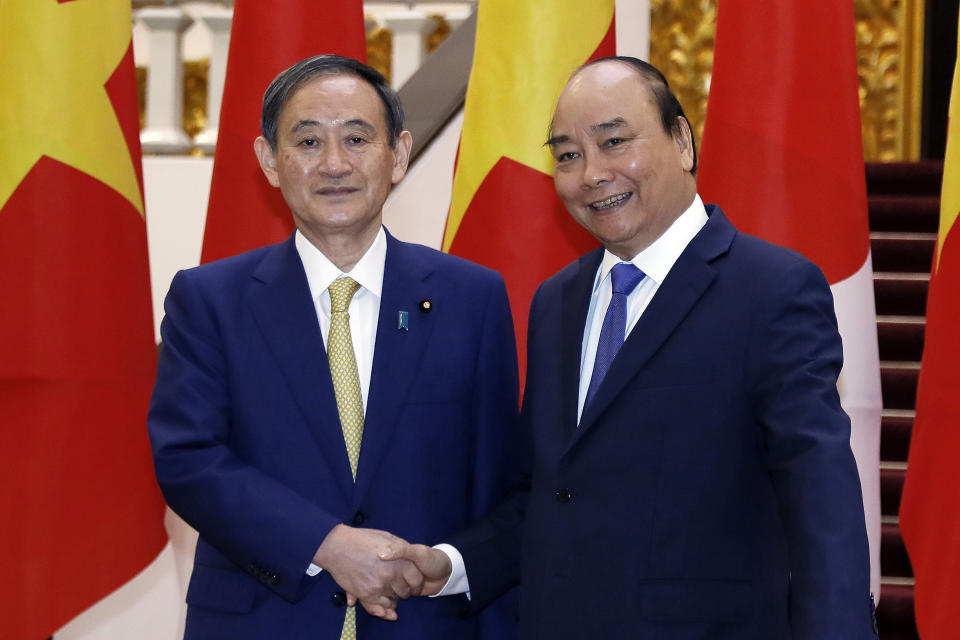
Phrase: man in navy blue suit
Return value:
(315, 394)
(691, 473)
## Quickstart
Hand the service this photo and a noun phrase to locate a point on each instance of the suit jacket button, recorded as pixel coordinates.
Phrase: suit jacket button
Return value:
(564, 495)
(339, 599)
(274, 579)
(358, 518)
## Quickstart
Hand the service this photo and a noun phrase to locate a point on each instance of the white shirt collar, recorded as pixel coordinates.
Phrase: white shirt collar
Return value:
(657, 259)
(321, 273)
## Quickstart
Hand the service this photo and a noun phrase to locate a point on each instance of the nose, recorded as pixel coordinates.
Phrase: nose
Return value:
(595, 170)
(333, 160)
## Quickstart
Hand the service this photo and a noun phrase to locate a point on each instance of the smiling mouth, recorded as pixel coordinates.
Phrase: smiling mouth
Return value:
(335, 191)
(612, 201)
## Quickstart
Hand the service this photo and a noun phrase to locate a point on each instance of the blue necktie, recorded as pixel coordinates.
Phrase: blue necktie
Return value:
(624, 278)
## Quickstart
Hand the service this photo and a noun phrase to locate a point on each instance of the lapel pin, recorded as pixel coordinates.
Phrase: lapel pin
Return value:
(426, 305)
(403, 322)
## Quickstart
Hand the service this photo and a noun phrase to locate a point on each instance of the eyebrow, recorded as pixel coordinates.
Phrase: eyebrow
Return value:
(555, 140)
(616, 123)
(356, 122)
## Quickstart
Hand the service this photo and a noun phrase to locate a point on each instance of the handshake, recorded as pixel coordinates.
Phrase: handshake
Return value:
(377, 569)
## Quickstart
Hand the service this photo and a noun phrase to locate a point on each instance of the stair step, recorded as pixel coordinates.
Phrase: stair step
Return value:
(902, 251)
(895, 612)
(901, 293)
(904, 213)
(902, 178)
(894, 560)
(900, 337)
(891, 488)
(903, 203)
(895, 426)
(898, 383)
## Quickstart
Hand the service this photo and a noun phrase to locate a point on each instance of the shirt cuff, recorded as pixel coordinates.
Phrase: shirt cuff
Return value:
(457, 582)
(313, 570)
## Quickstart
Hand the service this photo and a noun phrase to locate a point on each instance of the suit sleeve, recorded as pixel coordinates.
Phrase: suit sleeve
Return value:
(794, 359)
(252, 519)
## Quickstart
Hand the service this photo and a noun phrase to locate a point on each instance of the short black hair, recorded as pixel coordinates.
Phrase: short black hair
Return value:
(293, 77)
(666, 101)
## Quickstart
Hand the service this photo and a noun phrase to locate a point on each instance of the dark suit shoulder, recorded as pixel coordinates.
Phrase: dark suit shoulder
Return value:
(241, 265)
(762, 260)
(588, 262)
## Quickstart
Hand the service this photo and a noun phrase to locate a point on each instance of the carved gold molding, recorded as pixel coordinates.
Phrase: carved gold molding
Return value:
(195, 73)
(379, 50)
(681, 46)
(441, 30)
(889, 60)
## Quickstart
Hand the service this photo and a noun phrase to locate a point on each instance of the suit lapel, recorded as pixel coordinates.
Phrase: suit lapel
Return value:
(281, 304)
(576, 301)
(397, 353)
(685, 284)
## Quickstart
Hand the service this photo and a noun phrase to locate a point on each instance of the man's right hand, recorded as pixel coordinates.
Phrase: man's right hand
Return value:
(433, 565)
(353, 558)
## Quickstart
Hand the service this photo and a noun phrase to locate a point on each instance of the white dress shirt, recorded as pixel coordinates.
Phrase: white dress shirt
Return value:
(364, 309)
(655, 261)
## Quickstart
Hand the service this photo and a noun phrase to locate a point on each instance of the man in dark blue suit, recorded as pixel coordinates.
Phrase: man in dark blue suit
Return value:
(315, 394)
(691, 473)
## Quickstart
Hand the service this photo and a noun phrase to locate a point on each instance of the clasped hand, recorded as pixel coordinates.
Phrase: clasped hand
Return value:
(376, 568)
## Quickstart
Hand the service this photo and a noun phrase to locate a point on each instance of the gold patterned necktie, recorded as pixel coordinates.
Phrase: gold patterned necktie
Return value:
(346, 388)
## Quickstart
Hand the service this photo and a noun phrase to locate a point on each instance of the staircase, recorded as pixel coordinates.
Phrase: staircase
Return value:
(903, 201)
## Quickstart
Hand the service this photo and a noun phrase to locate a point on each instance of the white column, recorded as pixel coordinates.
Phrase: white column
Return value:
(218, 20)
(633, 28)
(410, 31)
(164, 132)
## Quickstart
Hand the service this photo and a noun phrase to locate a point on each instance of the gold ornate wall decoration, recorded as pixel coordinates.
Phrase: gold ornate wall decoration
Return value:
(889, 59)
(440, 32)
(195, 81)
(195, 74)
(889, 65)
(142, 94)
(681, 46)
(379, 50)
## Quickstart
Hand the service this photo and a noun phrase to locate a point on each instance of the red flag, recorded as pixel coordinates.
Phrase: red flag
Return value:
(782, 156)
(81, 509)
(245, 212)
(504, 212)
(930, 508)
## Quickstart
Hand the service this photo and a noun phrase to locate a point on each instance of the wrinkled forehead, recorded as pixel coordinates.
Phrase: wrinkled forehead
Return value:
(347, 94)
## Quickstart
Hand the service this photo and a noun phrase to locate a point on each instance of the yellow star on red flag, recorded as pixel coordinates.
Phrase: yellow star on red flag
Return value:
(56, 60)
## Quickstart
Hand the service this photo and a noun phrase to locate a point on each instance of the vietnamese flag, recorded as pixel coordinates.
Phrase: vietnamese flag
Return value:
(81, 510)
(245, 212)
(504, 212)
(782, 155)
(930, 508)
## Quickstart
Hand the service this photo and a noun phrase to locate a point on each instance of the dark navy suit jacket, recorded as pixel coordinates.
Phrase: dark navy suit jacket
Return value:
(249, 450)
(709, 490)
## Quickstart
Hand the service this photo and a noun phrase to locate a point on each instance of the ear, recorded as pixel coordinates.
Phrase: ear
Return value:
(268, 160)
(684, 137)
(401, 156)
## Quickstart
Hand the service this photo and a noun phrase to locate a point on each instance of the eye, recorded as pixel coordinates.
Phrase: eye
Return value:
(356, 140)
(612, 142)
(309, 142)
(567, 156)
